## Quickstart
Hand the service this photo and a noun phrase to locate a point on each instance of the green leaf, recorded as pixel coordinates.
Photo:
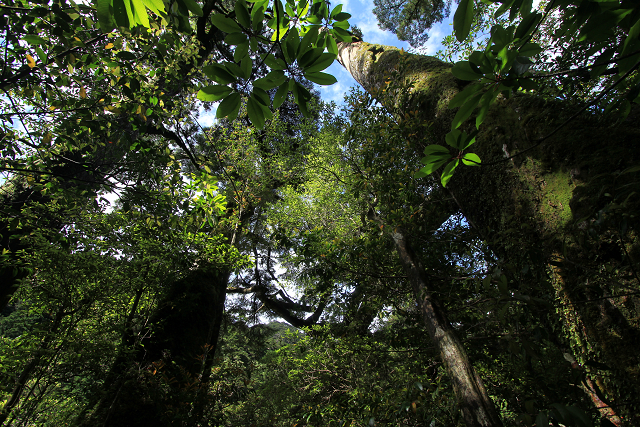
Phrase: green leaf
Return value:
(246, 66)
(292, 44)
(310, 57)
(236, 39)
(503, 8)
(633, 35)
(219, 74)
(431, 167)
(213, 93)
(453, 138)
(120, 13)
(542, 420)
(33, 39)
(521, 65)
(341, 24)
(225, 24)
(242, 13)
(321, 78)
(485, 103)
(131, 21)
(140, 13)
(261, 96)
(281, 95)
(193, 7)
(465, 111)
(324, 61)
(42, 55)
(274, 63)
(341, 34)
(342, 16)
(462, 19)
(332, 46)
(105, 18)
(464, 71)
(229, 106)
(435, 149)
(462, 96)
(530, 49)
(257, 17)
(241, 51)
(471, 159)
(527, 25)
(289, 10)
(256, 115)
(309, 38)
(336, 10)
(156, 6)
(447, 173)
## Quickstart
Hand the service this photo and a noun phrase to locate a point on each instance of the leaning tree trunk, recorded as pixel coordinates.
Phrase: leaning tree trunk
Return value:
(475, 404)
(550, 207)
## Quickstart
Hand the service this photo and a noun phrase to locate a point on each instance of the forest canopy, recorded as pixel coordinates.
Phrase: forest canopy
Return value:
(455, 245)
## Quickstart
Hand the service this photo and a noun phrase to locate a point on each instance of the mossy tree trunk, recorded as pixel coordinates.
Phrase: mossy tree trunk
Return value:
(562, 206)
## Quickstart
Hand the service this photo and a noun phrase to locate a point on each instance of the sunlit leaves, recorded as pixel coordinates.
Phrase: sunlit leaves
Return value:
(213, 92)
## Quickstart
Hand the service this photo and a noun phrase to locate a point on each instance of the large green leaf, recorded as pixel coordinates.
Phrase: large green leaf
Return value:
(485, 103)
(321, 78)
(242, 13)
(447, 173)
(140, 12)
(33, 39)
(324, 61)
(256, 114)
(471, 159)
(465, 94)
(156, 6)
(193, 7)
(465, 111)
(225, 24)
(464, 71)
(281, 95)
(213, 92)
(435, 149)
(530, 49)
(105, 18)
(310, 57)
(332, 46)
(236, 39)
(229, 106)
(462, 19)
(219, 74)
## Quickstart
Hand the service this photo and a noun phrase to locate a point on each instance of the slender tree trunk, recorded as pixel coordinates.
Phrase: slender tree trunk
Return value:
(542, 198)
(475, 404)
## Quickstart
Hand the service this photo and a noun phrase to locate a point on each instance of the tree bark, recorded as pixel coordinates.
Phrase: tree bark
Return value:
(542, 198)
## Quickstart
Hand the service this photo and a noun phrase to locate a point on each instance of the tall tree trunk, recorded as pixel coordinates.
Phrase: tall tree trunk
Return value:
(549, 206)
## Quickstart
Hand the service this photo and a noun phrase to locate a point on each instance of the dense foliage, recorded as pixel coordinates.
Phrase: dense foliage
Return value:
(148, 261)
